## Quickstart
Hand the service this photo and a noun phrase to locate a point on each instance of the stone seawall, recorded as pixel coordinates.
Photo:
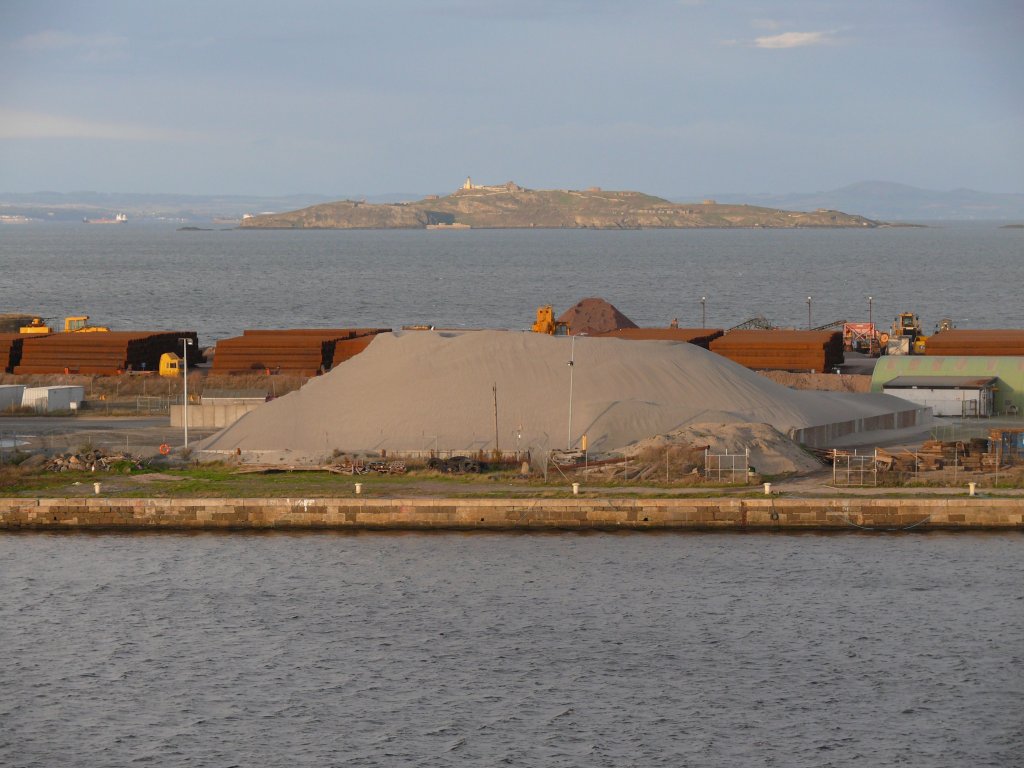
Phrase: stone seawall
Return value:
(514, 514)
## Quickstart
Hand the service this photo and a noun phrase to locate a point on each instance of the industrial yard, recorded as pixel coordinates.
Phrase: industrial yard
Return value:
(614, 404)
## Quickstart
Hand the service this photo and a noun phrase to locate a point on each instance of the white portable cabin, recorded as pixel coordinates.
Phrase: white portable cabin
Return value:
(946, 395)
(60, 398)
(11, 395)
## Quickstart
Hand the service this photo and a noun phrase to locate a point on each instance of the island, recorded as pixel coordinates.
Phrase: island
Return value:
(510, 206)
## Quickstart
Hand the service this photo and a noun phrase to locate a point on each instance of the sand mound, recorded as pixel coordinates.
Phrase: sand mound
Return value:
(593, 316)
(418, 390)
(771, 452)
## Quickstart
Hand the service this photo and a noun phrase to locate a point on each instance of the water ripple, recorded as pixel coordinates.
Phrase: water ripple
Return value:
(570, 650)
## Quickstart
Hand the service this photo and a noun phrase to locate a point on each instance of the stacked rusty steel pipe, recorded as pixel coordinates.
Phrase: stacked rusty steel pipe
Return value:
(296, 351)
(989, 342)
(10, 350)
(103, 353)
(782, 350)
(702, 337)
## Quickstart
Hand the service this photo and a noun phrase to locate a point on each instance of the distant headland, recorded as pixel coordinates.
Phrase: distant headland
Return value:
(510, 206)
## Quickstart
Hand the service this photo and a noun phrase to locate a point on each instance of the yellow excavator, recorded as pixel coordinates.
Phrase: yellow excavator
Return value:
(72, 324)
(546, 323)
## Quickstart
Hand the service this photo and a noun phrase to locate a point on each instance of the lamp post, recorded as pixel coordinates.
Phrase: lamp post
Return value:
(808, 313)
(703, 314)
(871, 301)
(572, 364)
(185, 344)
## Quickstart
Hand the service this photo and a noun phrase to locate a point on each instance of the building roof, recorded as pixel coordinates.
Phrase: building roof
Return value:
(939, 382)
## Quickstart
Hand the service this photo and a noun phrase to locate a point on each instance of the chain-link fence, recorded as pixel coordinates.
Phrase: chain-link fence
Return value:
(854, 469)
(727, 467)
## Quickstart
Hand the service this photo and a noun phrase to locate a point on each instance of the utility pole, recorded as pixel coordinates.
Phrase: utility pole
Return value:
(185, 344)
(494, 389)
(572, 364)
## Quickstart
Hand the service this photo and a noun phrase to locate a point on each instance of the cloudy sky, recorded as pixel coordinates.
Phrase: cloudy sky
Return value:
(672, 97)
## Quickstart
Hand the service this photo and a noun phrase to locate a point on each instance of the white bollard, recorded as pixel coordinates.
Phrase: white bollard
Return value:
(359, 488)
(575, 489)
(767, 489)
(971, 488)
(96, 488)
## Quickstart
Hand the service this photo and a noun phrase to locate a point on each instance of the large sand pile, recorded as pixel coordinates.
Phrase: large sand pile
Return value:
(418, 390)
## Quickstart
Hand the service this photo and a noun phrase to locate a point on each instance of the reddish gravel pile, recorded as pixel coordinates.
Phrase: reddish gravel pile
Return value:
(593, 317)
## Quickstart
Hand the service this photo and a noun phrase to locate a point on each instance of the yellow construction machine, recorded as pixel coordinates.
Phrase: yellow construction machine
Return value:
(546, 323)
(72, 324)
(37, 326)
(906, 337)
(171, 365)
(80, 324)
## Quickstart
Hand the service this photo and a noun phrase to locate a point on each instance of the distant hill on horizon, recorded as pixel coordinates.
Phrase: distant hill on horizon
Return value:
(894, 202)
(510, 206)
(73, 206)
(878, 200)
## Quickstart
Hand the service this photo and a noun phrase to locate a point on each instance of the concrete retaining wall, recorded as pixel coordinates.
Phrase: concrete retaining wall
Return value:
(211, 416)
(509, 514)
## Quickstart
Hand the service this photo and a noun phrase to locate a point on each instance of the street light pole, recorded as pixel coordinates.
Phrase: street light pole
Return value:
(185, 344)
(572, 364)
(703, 314)
(871, 301)
(808, 313)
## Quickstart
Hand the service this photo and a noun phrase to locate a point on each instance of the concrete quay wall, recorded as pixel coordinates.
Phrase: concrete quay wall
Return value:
(961, 513)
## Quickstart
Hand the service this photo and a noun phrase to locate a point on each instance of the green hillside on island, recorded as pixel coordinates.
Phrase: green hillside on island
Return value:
(510, 206)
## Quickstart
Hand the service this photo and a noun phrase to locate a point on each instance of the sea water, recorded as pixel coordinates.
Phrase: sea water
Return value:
(637, 649)
(142, 276)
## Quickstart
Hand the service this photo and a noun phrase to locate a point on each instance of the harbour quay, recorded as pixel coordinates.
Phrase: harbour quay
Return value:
(736, 514)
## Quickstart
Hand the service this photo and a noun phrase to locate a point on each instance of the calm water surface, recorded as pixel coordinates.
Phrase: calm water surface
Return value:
(150, 276)
(531, 650)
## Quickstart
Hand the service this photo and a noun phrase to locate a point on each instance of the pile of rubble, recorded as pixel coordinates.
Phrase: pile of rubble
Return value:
(94, 460)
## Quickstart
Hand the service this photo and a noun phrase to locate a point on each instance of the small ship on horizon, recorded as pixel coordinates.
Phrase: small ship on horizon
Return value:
(120, 218)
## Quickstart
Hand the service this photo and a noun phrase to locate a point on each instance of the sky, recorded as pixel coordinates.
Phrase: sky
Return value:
(669, 97)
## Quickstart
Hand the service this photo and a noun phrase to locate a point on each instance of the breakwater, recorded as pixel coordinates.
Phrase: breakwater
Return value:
(768, 513)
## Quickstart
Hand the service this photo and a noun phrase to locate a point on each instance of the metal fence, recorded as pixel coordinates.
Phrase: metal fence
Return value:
(854, 469)
(11, 445)
(951, 433)
(727, 467)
